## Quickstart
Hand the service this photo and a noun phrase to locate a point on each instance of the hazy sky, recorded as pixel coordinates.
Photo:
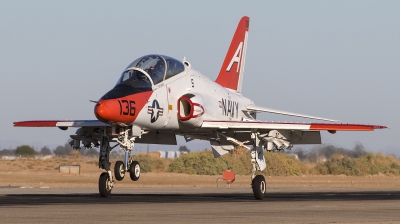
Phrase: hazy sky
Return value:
(334, 59)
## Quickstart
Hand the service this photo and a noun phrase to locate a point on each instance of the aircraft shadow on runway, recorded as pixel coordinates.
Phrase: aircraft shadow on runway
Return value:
(46, 199)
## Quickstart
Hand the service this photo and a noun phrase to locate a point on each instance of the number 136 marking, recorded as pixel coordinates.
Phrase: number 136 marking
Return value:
(127, 107)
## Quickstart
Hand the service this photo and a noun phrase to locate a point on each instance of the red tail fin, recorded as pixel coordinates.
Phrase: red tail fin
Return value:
(231, 74)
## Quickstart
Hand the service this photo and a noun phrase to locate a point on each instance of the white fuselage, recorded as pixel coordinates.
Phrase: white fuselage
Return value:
(218, 102)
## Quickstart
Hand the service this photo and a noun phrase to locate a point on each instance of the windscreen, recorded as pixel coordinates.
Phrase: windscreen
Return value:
(135, 79)
(154, 65)
(131, 82)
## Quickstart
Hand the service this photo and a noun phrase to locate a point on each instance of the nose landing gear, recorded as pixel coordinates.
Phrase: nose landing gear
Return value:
(106, 182)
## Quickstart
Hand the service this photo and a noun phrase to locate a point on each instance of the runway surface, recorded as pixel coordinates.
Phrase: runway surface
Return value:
(193, 205)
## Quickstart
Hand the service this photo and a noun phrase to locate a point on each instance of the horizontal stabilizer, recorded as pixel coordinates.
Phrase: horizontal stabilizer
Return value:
(262, 109)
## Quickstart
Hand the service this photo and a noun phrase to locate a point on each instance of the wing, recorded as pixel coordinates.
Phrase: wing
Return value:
(263, 109)
(296, 133)
(274, 134)
(87, 131)
(248, 125)
(62, 124)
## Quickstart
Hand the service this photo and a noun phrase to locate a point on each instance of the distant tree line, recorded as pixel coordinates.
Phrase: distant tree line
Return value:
(327, 151)
(23, 150)
(62, 150)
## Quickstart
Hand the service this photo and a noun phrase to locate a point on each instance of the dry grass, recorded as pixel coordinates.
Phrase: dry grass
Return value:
(151, 162)
(204, 163)
(30, 172)
(368, 164)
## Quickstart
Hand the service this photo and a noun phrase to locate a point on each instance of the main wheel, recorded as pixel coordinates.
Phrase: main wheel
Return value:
(134, 170)
(105, 184)
(119, 170)
(259, 187)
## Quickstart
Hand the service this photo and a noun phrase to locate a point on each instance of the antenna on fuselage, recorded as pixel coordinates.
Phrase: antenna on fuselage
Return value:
(187, 64)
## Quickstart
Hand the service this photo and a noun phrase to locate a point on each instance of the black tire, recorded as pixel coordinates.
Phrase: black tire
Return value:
(119, 170)
(134, 170)
(104, 188)
(259, 187)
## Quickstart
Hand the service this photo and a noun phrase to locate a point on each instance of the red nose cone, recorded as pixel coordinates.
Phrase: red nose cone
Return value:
(121, 110)
(100, 111)
(110, 111)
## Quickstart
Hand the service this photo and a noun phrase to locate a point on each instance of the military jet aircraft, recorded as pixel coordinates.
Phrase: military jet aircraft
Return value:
(158, 97)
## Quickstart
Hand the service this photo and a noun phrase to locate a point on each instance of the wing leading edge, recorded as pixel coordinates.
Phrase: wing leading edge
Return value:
(263, 109)
(60, 123)
(289, 126)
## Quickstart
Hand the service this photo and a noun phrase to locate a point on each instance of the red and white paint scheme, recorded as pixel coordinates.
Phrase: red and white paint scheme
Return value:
(158, 97)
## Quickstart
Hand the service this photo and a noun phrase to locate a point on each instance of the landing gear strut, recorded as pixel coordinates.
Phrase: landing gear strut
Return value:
(258, 164)
(106, 181)
(257, 159)
(121, 167)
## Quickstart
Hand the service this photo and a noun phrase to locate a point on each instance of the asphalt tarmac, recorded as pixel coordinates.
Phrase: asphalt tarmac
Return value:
(195, 205)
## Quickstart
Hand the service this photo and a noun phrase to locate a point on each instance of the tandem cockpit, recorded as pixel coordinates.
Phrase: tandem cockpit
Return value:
(143, 73)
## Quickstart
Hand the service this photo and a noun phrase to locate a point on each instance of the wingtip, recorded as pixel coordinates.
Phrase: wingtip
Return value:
(380, 127)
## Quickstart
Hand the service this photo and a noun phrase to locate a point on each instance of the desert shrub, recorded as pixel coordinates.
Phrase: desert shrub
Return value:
(364, 165)
(151, 162)
(378, 163)
(204, 163)
(336, 166)
(282, 164)
(25, 150)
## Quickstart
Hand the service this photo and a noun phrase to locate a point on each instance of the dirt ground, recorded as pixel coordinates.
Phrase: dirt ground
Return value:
(29, 172)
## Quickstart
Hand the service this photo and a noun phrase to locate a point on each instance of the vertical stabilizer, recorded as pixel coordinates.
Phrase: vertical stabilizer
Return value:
(231, 74)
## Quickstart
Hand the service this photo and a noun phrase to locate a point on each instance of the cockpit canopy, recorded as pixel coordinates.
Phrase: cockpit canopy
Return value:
(150, 69)
(143, 73)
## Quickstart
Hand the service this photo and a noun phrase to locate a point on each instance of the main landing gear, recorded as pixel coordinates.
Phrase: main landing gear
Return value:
(274, 139)
(106, 181)
(258, 164)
